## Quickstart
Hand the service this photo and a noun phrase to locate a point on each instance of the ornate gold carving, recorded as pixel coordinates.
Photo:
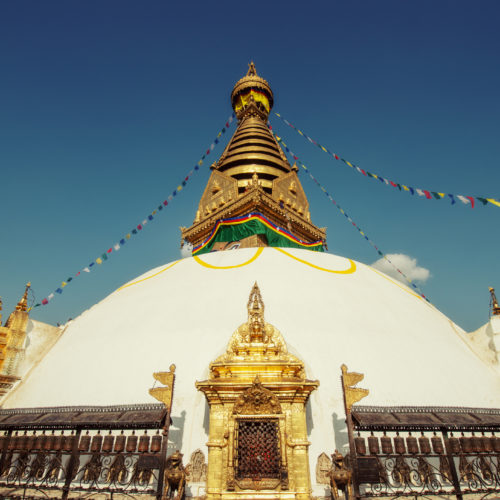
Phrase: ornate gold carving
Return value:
(196, 469)
(258, 484)
(175, 477)
(352, 394)
(323, 469)
(257, 340)
(164, 394)
(257, 400)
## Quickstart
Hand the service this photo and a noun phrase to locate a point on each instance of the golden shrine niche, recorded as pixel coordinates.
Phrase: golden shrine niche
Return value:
(257, 393)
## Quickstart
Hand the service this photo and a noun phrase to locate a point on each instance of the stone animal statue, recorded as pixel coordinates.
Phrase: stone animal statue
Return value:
(175, 477)
(340, 477)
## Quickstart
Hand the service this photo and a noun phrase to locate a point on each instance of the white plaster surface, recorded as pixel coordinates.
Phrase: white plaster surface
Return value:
(411, 353)
(40, 337)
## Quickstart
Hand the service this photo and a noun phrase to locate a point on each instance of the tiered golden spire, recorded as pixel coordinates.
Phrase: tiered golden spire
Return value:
(253, 174)
(22, 305)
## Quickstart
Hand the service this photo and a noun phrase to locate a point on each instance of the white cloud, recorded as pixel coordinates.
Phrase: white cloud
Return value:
(407, 264)
(186, 250)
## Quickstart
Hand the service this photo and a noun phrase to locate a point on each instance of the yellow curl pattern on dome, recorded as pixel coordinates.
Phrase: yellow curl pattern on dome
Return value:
(149, 277)
(350, 270)
(249, 261)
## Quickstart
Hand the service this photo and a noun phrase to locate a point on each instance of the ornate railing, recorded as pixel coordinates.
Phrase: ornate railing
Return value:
(116, 449)
(425, 451)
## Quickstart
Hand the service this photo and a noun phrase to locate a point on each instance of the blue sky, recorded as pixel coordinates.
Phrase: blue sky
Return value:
(107, 105)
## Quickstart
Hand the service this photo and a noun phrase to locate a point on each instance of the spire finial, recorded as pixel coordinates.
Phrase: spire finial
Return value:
(256, 321)
(251, 69)
(22, 305)
(495, 308)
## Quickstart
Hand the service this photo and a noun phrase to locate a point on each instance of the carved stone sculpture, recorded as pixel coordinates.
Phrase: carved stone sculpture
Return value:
(196, 470)
(323, 469)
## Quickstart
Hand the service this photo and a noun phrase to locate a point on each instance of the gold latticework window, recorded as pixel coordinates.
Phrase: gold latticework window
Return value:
(257, 454)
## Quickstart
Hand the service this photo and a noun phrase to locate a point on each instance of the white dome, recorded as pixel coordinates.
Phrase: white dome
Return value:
(330, 310)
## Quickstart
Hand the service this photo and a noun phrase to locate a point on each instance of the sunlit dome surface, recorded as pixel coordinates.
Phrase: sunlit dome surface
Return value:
(330, 310)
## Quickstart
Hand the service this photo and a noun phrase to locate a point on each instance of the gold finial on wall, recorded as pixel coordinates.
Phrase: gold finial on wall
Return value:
(495, 308)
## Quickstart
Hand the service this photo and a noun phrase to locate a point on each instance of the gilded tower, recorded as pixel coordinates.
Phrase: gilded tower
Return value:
(253, 196)
(257, 393)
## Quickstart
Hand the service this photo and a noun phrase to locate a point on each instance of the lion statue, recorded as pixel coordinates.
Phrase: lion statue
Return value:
(175, 477)
(340, 477)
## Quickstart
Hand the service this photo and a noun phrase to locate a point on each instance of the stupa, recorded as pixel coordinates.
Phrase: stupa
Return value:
(265, 328)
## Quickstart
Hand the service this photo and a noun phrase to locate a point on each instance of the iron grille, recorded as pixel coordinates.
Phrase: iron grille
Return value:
(258, 449)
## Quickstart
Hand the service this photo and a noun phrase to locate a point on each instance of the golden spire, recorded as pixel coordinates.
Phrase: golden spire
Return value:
(256, 321)
(252, 175)
(495, 308)
(22, 305)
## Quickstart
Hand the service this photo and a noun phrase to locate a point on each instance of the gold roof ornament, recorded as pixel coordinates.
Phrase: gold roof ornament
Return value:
(22, 305)
(164, 394)
(352, 394)
(495, 308)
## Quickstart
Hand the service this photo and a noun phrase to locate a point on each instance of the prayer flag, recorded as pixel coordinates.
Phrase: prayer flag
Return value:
(494, 202)
(59, 290)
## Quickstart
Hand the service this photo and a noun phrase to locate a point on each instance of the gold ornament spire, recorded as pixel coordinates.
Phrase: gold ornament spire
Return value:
(495, 308)
(22, 305)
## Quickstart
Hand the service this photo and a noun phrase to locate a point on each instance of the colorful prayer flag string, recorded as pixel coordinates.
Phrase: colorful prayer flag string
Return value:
(428, 194)
(344, 213)
(116, 246)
